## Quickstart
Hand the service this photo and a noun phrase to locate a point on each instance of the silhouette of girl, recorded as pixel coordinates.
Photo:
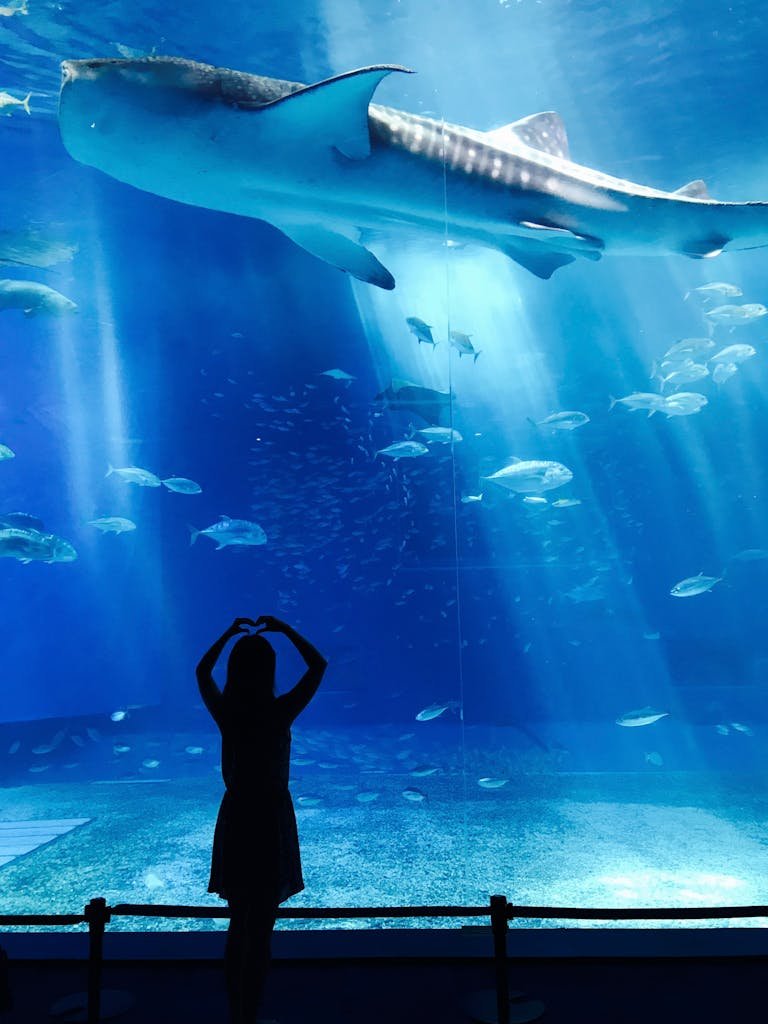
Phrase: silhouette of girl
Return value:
(256, 863)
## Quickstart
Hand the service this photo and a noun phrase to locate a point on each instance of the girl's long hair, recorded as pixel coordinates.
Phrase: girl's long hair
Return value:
(250, 683)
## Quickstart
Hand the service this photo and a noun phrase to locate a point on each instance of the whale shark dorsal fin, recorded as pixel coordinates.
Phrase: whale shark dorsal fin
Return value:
(340, 251)
(545, 132)
(334, 111)
(693, 190)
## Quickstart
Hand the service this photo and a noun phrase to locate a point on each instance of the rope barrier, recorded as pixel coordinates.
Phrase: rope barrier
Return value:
(500, 911)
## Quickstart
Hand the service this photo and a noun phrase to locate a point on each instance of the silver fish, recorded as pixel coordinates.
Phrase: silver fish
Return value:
(182, 485)
(231, 532)
(643, 716)
(134, 475)
(404, 450)
(421, 331)
(532, 476)
(112, 524)
(693, 585)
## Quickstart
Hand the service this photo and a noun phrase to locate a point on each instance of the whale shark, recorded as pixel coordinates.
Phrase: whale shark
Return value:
(330, 169)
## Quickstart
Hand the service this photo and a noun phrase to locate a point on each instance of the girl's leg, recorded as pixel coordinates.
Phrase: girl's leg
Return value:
(261, 922)
(235, 958)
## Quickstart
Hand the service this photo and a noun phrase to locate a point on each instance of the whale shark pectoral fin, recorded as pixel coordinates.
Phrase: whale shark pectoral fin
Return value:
(334, 111)
(542, 264)
(545, 132)
(693, 190)
(705, 248)
(340, 252)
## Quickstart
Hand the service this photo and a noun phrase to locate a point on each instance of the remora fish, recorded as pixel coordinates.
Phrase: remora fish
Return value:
(321, 162)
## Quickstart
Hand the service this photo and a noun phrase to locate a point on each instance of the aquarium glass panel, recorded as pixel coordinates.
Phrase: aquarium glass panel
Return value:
(436, 331)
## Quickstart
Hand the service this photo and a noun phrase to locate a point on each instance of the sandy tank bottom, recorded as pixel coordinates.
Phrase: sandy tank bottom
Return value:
(578, 839)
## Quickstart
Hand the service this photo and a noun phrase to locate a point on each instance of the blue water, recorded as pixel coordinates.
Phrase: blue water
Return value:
(199, 350)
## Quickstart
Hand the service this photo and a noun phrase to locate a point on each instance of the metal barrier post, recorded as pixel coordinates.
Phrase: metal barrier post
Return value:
(97, 915)
(499, 928)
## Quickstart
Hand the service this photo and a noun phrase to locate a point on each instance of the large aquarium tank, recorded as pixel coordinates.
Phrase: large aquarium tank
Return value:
(460, 372)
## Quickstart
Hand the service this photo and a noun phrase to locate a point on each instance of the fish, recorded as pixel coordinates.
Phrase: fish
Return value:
(491, 783)
(150, 763)
(231, 532)
(723, 372)
(119, 716)
(405, 396)
(404, 450)
(367, 796)
(536, 500)
(440, 435)
(437, 709)
(134, 475)
(6, 453)
(720, 288)
(564, 420)
(685, 373)
(655, 758)
(566, 502)
(688, 347)
(34, 299)
(193, 751)
(112, 524)
(723, 730)
(734, 354)
(470, 499)
(421, 331)
(532, 476)
(6, 100)
(321, 162)
(415, 796)
(640, 400)
(693, 585)
(421, 771)
(684, 403)
(643, 716)
(736, 316)
(751, 555)
(153, 881)
(28, 545)
(309, 801)
(740, 727)
(182, 485)
(337, 375)
(463, 345)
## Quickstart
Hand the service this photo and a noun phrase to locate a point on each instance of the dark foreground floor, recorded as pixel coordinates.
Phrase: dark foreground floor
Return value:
(703, 991)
